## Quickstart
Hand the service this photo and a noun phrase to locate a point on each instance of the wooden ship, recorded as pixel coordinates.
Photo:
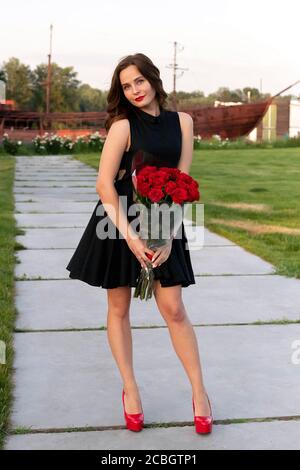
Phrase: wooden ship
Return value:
(226, 121)
(26, 125)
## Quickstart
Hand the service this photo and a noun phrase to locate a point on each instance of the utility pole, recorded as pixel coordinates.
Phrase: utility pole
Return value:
(175, 67)
(48, 82)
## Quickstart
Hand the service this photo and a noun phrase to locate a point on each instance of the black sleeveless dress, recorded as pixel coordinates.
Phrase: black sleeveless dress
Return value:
(109, 263)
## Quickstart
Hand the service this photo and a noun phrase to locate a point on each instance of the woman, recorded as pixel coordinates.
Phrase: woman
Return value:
(138, 119)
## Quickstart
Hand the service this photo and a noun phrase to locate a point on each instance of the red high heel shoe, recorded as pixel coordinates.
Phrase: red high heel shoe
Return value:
(135, 421)
(203, 424)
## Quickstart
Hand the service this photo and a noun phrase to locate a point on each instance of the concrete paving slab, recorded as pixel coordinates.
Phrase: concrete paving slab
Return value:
(55, 191)
(21, 173)
(275, 435)
(54, 207)
(48, 165)
(51, 176)
(210, 238)
(48, 170)
(44, 264)
(53, 220)
(52, 166)
(70, 379)
(59, 237)
(56, 184)
(35, 159)
(58, 175)
(43, 168)
(37, 238)
(50, 264)
(41, 159)
(212, 300)
(227, 260)
(59, 169)
(58, 197)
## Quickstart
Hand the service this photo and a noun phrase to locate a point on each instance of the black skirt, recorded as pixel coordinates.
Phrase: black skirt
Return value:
(110, 263)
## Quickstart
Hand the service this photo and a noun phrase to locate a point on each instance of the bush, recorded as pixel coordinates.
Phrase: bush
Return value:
(11, 146)
(52, 144)
(243, 143)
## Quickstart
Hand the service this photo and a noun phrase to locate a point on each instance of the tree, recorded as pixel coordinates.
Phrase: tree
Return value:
(225, 94)
(91, 99)
(64, 89)
(18, 83)
(254, 94)
(3, 76)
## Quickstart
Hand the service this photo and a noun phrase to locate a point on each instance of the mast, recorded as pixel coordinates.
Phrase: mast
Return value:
(48, 83)
(175, 67)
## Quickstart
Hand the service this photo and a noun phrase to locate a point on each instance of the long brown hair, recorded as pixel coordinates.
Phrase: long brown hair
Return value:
(118, 106)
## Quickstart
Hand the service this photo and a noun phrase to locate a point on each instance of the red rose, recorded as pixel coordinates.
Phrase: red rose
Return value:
(162, 175)
(173, 173)
(179, 196)
(194, 194)
(154, 182)
(152, 178)
(147, 170)
(166, 169)
(182, 184)
(158, 183)
(141, 179)
(143, 188)
(185, 178)
(155, 195)
(170, 187)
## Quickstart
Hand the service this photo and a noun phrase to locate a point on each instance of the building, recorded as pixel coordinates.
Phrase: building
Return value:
(281, 121)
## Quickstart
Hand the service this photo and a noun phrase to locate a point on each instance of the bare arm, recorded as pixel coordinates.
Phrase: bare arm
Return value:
(187, 130)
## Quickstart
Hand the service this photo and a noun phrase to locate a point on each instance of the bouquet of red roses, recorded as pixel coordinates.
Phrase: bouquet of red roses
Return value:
(162, 192)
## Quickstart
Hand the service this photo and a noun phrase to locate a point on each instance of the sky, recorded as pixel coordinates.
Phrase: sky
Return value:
(222, 43)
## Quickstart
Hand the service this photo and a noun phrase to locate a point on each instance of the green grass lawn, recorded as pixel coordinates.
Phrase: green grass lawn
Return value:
(7, 261)
(268, 181)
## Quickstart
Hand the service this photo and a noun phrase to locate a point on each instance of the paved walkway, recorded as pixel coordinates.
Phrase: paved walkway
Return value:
(65, 376)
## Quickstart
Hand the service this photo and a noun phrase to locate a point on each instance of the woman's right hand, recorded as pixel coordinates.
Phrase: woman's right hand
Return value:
(139, 249)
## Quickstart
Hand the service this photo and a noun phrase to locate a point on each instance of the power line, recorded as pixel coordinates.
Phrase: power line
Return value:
(48, 83)
(175, 67)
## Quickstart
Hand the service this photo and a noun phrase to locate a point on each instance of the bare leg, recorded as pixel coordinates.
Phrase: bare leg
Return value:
(170, 305)
(120, 340)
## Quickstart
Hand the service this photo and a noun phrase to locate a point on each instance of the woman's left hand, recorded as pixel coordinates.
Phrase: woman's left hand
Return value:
(161, 254)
